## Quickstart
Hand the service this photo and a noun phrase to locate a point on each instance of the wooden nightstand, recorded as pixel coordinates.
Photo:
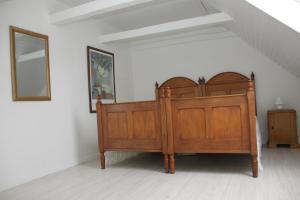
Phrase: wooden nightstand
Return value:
(282, 126)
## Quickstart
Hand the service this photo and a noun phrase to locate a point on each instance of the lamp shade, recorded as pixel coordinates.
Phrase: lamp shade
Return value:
(279, 103)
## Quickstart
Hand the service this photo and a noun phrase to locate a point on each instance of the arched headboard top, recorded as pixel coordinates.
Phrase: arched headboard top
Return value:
(229, 77)
(178, 82)
(227, 83)
(181, 87)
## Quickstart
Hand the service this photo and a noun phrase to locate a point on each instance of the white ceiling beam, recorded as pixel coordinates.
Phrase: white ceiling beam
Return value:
(97, 7)
(170, 27)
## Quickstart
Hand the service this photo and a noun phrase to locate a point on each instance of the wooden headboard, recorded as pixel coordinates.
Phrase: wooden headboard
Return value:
(227, 83)
(182, 87)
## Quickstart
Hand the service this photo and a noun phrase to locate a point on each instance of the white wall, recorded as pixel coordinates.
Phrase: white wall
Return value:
(204, 54)
(37, 138)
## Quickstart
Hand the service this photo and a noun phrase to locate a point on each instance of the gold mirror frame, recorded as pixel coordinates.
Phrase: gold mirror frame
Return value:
(15, 96)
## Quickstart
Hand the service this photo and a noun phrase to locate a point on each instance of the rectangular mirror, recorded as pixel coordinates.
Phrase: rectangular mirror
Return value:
(30, 65)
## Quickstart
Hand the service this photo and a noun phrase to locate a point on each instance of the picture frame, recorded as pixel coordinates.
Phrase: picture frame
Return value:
(101, 77)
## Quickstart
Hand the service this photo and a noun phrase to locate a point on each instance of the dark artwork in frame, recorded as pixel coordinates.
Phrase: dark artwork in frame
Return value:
(101, 77)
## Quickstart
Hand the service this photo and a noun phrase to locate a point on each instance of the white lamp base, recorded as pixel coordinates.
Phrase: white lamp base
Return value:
(279, 107)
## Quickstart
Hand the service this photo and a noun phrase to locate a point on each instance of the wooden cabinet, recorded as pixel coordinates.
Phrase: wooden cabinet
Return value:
(282, 126)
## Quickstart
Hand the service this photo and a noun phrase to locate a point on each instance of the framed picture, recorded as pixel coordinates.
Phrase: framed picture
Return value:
(101, 77)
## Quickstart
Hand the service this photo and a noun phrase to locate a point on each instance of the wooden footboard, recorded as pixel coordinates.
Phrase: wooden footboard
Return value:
(215, 124)
(134, 126)
(211, 125)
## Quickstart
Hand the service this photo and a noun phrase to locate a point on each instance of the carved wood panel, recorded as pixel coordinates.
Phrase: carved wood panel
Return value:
(134, 126)
(215, 124)
(227, 83)
(187, 128)
(117, 125)
(181, 87)
(184, 92)
(144, 125)
(227, 122)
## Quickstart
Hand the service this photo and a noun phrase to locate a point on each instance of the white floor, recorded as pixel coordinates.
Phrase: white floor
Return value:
(198, 177)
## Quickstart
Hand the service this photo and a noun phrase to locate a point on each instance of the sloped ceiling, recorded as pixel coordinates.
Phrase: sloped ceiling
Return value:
(156, 12)
(271, 37)
(166, 11)
(274, 39)
(285, 11)
(74, 2)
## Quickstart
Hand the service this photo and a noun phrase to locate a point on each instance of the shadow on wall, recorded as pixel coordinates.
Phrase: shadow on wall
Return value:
(86, 147)
(86, 142)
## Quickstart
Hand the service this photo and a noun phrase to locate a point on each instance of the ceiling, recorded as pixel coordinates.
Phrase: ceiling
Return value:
(156, 12)
(168, 10)
(72, 3)
(274, 39)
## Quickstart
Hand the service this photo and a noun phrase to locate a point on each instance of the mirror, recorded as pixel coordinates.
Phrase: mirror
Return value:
(30, 65)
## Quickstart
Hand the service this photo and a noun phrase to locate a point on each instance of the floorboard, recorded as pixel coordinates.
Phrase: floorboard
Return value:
(211, 177)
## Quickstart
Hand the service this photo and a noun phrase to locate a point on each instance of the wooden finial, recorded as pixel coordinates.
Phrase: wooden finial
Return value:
(250, 85)
(168, 92)
(201, 81)
(252, 76)
(162, 92)
(99, 98)
(156, 85)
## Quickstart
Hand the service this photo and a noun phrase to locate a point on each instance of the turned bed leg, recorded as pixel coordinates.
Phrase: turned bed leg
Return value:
(102, 160)
(254, 166)
(166, 161)
(172, 163)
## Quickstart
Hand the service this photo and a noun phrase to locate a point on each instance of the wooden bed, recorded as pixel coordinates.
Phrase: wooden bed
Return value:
(187, 117)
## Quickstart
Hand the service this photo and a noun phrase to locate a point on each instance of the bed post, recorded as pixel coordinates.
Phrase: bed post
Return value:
(252, 120)
(170, 131)
(100, 132)
(163, 126)
(156, 90)
(252, 76)
(253, 80)
(201, 87)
